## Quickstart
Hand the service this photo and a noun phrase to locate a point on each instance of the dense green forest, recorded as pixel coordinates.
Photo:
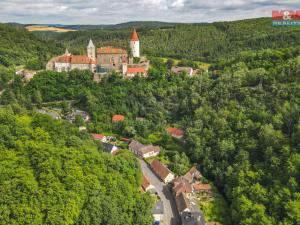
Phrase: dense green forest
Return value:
(53, 174)
(242, 126)
(19, 47)
(202, 42)
(241, 121)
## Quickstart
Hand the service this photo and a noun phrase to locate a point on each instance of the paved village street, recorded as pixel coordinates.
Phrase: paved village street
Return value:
(171, 216)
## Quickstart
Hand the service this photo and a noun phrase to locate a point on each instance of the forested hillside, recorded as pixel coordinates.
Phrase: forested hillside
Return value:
(204, 42)
(136, 24)
(242, 126)
(241, 121)
(19, 47)
(53, 174)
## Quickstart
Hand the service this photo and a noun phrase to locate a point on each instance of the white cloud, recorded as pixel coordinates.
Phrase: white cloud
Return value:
(115, 11)
(178, 4)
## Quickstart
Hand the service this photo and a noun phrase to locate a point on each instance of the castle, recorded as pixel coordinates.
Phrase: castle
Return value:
(103, 60)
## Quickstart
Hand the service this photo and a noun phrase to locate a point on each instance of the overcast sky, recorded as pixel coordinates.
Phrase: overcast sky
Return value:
(117, 11)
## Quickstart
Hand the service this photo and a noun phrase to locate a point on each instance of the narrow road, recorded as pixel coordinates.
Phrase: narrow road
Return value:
(171, 216)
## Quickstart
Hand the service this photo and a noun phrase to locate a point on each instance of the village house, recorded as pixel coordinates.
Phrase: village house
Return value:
(188, 211)
(158, 213)
(99, 137)
(146, 185)
(133, 71)
(143, 151)
(179, 69)
(183, 189)
(110, 148)
(181, 185)
(103, 60)
(182, 203)
(193, 175)
(162, 171)
(175, 132)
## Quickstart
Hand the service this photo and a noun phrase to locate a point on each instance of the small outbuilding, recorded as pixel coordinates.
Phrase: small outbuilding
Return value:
(118, 118)
(175, 132)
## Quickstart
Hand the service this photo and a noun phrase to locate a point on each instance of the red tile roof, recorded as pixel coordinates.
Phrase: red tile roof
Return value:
(193, 174)
(76, 59)
(182, 203)
(118, 118)
(161, 170)
(131, 70)
(82, 59)
(98, 136)
(111, 50)
(145, 183)
(134, 36)
(202, 187)
(175, 132)
(181, 186)
(64, 59)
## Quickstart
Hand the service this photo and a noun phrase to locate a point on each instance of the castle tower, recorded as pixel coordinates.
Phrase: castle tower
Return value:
(91, 50)
(135, 44)
(67, 53)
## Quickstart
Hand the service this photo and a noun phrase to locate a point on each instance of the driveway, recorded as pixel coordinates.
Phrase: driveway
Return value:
(171, 216)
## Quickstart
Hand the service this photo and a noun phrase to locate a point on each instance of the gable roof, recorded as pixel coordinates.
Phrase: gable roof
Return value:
(64, 59)
(118, 118)
(76, 59)
(175, 131)
(134, 36)
(145, 182)
(182, 203)
(135, 145)
(82, 59)
(131, 70)
(142, 149)
(111, 50)
(161, 170)
(98, 136)
(181, 185)
(202, 187)
(192, 174)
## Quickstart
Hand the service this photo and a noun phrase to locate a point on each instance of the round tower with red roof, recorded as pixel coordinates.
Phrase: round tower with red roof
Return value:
(135, 44)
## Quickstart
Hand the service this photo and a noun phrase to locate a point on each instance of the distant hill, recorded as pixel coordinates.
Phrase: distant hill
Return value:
(205, 42)
(19, 47)
(136, 24)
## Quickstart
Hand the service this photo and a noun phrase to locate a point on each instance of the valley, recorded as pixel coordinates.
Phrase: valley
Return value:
(236, 120)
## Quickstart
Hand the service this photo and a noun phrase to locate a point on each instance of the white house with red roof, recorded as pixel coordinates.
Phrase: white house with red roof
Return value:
(99, 137)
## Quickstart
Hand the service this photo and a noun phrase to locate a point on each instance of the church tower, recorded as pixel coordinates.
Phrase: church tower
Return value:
(91, 50)
(135, 44)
